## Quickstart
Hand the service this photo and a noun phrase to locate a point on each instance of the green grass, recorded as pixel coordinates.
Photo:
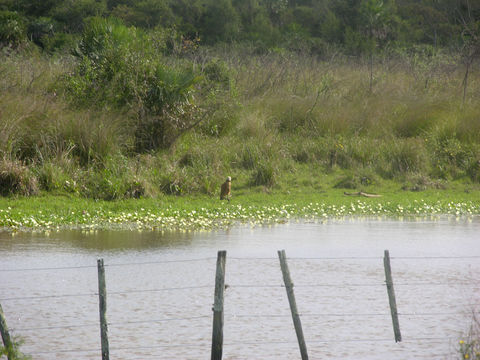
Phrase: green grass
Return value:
(255, 206)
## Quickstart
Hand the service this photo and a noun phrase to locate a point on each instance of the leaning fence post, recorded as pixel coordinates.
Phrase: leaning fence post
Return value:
(7, 341)
(293, 305)
(391, 297)
(217, 332)
(102, 295)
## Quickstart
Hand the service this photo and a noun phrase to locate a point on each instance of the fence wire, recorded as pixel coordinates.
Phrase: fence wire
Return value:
(241, 316)
(243, 343)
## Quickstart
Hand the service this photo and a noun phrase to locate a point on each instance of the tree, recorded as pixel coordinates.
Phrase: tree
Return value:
(220, 21)
(471, 43)
(146, 14)
(256, 24)
(72, 13)
(376, 17)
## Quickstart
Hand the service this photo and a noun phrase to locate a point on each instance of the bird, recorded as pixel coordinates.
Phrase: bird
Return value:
(225, 189)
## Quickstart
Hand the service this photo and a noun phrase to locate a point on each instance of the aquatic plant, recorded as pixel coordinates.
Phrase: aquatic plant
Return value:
(469, 346)
(209, 215)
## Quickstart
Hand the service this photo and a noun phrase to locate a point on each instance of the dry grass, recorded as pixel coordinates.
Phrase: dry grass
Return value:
(294, 110)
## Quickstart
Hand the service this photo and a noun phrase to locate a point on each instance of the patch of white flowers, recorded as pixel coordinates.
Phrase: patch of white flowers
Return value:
(166, 219)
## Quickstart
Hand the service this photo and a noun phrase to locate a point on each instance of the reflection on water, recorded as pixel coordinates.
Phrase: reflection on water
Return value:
(160, 290)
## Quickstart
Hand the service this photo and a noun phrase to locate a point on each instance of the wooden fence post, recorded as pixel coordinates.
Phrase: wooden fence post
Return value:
(7, 341)
(217, 332)
(391, 297)
(293, 305)
(102, 295)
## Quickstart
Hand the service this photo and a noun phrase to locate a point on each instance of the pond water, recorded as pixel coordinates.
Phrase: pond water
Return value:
(160, 290)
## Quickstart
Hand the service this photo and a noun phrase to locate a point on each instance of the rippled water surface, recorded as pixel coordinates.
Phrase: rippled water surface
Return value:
(160, 290)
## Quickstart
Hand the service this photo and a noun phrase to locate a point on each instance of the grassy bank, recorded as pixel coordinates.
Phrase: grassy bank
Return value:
(289, 129)
(168, 213)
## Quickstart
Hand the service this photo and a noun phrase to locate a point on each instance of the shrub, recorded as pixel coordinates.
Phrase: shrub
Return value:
(450, 156)
(16, 178)
(264, 174)
(119, 67)
(356, 180)
(217, 72)
(473, 171)
(101, 185)
(12, 29)
(172, 183)
(416, 118)
(116, 178)
(40, 30)
(54, 177)
(419, 182)
(338, 153)
(403, 157)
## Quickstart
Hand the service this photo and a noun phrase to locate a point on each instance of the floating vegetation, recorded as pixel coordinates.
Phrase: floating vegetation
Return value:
(203, 218)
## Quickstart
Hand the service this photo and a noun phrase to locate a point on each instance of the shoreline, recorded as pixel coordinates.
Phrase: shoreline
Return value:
(51, 213)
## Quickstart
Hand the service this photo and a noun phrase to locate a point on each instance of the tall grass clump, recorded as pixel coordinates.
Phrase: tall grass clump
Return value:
(264, 174)
(404, 157)
(16, 179)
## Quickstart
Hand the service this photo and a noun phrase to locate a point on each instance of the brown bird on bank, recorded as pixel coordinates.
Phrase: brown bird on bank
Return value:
(225, 189)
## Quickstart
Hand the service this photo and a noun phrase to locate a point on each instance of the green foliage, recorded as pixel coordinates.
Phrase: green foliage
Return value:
(12, 29)
(42, 31)
(265, 174)
(146, 13)
(359, 26)
(118, 67)
(219, 21)
(421, 182)
(356, 180)
(73, 13)
(53, 177)
(14, 353)
(404, 157)
(450, 156)
(114, 179)
(279, 120)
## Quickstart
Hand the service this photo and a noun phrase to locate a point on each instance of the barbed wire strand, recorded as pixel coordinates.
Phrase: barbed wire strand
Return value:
(55, 327)
(327, 341)
(109, 293)
(160, 262)
(109, 265)
(242, 258)
(304, 315)
(114, 324)
(126, 292)
(50, 268)
(48, 296)
(159, 320)
(434, 257)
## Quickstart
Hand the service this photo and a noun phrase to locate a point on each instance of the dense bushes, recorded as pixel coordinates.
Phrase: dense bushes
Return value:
(12, 29)
(119, 68)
